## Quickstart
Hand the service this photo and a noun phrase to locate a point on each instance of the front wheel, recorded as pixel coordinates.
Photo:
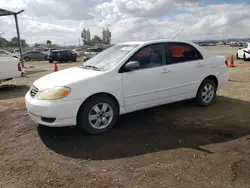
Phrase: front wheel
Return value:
(98, 115)
(50, 61)
(237, 56)
(206, 93)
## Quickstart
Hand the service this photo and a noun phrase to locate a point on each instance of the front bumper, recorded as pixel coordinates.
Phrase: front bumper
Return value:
(54, 113)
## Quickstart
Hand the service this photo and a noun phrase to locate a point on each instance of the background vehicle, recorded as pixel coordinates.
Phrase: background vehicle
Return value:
(16, 51)
(34, 55)
(9, 68)
(62, 56)
(91, 52)
(78, 51)
(4, 52)
(244, 52)
(48, 50)
(125, 78)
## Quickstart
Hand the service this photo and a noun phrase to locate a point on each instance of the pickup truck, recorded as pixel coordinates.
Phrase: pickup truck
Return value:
(10, 68)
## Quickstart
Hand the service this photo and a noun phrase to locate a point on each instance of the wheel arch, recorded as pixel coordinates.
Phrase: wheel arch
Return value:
(99, 94)
(213, 78)
(209, 77)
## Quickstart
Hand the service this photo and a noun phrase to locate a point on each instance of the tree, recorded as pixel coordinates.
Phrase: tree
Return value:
(4, 42)
(14, 42)
(48, 42)
(96, 40)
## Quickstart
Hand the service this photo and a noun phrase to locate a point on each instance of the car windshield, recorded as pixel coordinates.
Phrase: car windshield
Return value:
(109, 57)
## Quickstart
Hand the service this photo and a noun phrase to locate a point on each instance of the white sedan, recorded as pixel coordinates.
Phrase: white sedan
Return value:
(125, 78)
(244, 52)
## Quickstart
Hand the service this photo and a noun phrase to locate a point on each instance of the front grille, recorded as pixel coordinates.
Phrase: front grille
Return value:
(33, 91)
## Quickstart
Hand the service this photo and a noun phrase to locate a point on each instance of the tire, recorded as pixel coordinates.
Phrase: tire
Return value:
(61, 60)
(97, 126)
(237, 56)
(205, 87)
(50, 61)
(244, 57)
(27, 58)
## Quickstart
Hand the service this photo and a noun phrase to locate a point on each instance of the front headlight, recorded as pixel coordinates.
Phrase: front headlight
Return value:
(54, 93)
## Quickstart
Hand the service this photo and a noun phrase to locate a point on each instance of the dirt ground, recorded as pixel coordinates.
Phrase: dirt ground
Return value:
(178, 145)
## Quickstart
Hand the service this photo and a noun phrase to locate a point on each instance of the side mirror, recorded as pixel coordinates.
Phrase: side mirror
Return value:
(132, 65)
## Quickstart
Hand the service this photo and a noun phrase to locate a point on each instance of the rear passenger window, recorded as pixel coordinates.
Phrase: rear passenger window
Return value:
(182, 52)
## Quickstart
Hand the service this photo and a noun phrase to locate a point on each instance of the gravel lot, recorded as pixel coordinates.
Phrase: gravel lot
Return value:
(176, 145)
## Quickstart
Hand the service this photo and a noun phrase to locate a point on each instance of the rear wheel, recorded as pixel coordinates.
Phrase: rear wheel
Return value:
(98, 115)
(50, 61)
(244, 57)
(237, 56)
(27, 58)
(206, 93)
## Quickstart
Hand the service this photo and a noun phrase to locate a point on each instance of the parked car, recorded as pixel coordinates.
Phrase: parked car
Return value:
(16, 51)
(34, 55)
(62, 56)
(125, 78)
(78, 51)
(4, 52)
(10, 68)
(91, 52)
(48, 50)
(244, 52)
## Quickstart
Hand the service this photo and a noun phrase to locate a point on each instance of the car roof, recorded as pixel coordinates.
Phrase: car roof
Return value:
(32, 51)
(154, 41)
(60, 50)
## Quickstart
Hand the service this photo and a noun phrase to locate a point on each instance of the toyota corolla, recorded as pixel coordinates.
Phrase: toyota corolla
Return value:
(124, 78)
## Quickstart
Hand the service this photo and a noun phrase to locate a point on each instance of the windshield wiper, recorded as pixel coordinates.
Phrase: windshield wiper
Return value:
(92, 67)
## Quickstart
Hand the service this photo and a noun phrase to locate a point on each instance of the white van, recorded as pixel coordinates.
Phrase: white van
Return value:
(9, 68)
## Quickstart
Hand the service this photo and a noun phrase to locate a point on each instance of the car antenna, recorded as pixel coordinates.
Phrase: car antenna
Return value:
(178, 33)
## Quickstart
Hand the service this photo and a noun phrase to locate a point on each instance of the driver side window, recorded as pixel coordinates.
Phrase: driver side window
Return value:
(150, 56)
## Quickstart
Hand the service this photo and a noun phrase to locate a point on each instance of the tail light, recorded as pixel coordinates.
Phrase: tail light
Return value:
(19, 67)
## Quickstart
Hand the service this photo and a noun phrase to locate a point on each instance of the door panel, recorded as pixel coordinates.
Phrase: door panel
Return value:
(8, 67)
(240, 53)
(187, 68)
(144, 86)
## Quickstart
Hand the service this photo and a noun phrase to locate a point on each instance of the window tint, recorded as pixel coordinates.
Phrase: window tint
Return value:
(150, 56)
(181, 52)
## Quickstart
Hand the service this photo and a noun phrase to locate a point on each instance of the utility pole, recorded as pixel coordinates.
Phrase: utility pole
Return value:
(18, 36)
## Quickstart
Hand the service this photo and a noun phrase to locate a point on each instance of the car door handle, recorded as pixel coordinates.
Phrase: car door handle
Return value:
(166, 70)
(200, 65)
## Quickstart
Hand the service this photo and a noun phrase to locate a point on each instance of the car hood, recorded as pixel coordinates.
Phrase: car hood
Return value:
(65, 77)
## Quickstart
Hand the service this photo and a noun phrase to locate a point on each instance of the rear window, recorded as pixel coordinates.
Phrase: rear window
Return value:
(181, 52)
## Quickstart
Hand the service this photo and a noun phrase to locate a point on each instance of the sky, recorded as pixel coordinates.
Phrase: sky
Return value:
(62, 21)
